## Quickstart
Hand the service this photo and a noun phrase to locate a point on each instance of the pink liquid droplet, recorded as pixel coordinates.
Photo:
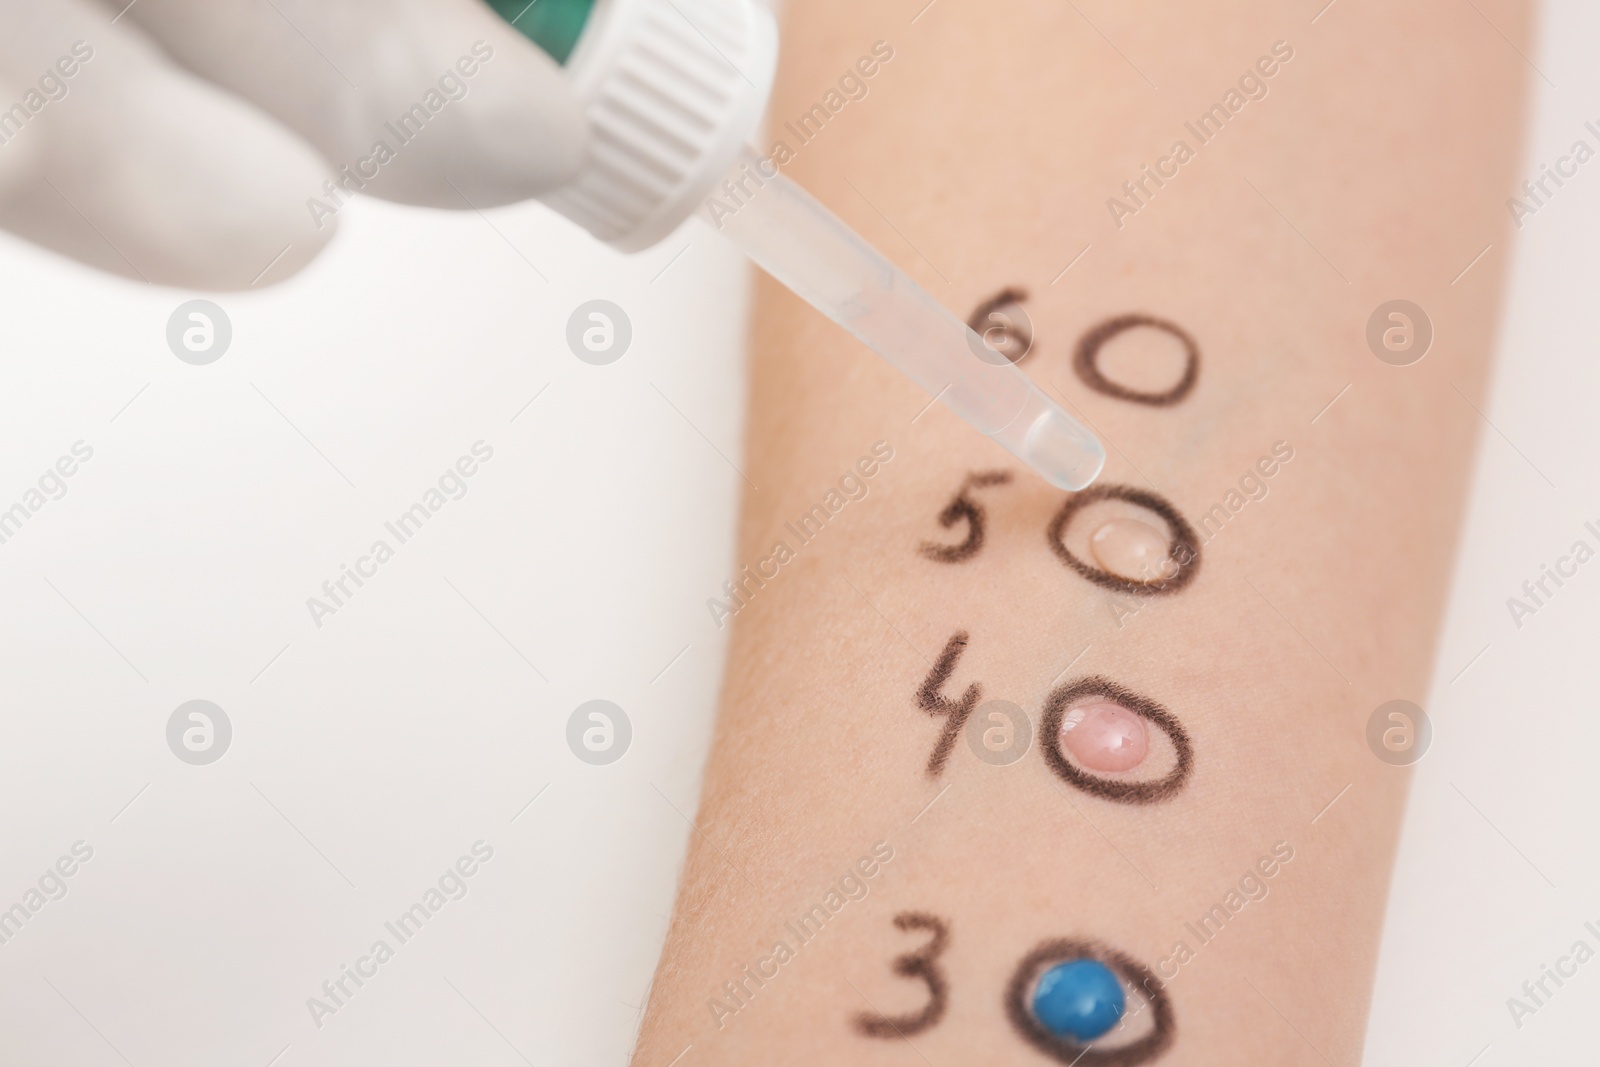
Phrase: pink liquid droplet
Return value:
(1105, 736)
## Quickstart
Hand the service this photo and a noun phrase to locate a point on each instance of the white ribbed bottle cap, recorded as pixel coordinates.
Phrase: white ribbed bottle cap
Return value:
(672, 90)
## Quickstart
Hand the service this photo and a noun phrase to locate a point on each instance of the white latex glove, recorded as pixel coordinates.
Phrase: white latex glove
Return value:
(191, 143)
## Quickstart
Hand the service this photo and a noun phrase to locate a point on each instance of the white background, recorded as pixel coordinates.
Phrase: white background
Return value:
(371, 752)
(374, 750)
(1499, 863)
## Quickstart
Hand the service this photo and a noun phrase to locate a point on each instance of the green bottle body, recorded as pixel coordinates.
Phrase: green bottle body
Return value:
(553, 25)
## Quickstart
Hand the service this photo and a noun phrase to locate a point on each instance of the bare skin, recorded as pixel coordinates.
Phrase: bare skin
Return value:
(1376, 167)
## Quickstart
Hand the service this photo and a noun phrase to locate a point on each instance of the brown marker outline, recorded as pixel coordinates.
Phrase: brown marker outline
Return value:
(918, 964)
(1183, 546)
(964, 507)
(977, 321)
(1085, 360)
(956, 712)
(1067, 696)
(1064, 1050)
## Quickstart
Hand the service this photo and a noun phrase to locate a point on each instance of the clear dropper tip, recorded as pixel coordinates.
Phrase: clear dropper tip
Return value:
(1060, 448)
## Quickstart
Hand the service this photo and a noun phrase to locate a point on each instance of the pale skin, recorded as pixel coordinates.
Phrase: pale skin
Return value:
(1376, 167)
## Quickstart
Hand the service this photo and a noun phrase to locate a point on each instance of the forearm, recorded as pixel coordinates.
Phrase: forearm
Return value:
(1371, 169)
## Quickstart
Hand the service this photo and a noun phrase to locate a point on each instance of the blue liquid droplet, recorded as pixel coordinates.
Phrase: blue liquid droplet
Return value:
(1079, 999)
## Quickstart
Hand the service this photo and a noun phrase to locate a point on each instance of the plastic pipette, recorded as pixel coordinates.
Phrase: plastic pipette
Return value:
(672, 90)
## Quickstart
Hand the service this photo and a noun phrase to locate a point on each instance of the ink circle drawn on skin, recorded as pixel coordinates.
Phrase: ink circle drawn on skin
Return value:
(1086, 361)
(1015, 327)
(1019, 998)
(1183, 547)
(1071, 694)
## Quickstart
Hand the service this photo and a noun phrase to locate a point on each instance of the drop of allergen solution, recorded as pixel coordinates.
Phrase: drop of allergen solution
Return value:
(1133, 550)
(1105, 737)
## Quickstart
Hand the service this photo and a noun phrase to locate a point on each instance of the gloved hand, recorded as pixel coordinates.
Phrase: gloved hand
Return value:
(213, 143)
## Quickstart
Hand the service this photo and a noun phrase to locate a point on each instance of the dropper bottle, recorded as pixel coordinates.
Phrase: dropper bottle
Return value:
(673, 91)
